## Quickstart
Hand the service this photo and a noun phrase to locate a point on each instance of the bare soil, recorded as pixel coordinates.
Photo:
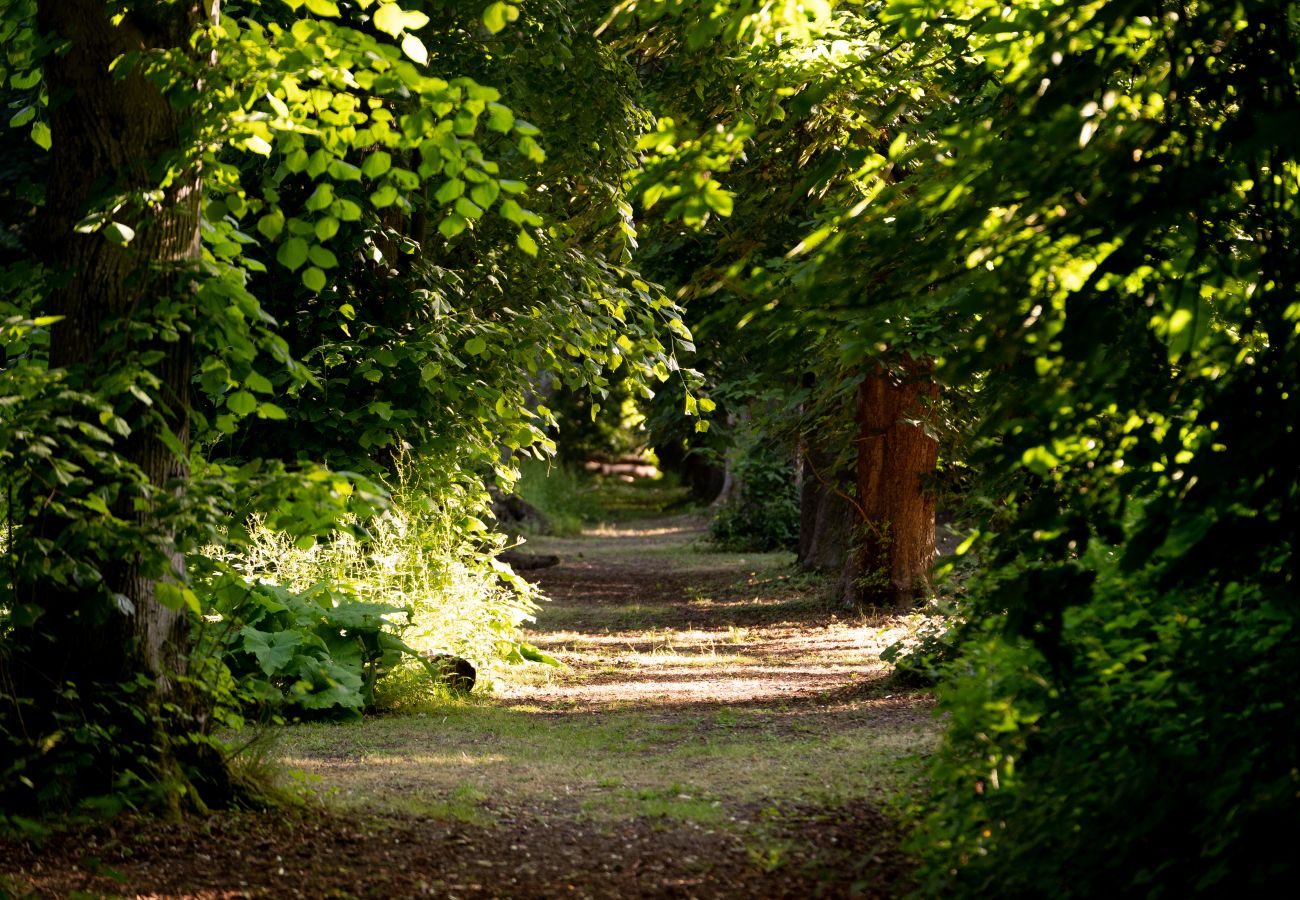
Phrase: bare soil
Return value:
(715, 731)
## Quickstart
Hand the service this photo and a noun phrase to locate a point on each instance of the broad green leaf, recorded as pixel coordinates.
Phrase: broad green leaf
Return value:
(258, 144)
(485, 194)
(451, 226)
(475, 345)
(343, 171)
(241, 403)
(413, 47)
(497, 14)
(449, 191)
(272, 224)
(376, 164)
(24, 80)
(320, 198)
(386, 195)
(292, 254)
(326, 228)
(468, 208)
(500, 118)
(327, 8)
(323, 257)
(314, 279)
(274, 650)
(41, 135)
(176, 596)
(392, 20)
(119, 234)
(526, 243)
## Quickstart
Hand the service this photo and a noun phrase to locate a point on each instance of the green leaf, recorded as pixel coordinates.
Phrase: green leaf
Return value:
(257, 144)
(526, 243)
(377, 164)
(497, 15)
(413, 47)
(271, 411)
(119, 234)
(323, 257)
(241, 403)
(274, 650)
(392, 20)
(449, 191)
(320, 198)
(343, 171)
(314, 279)
(532, 654)
(386, 195)
(174, 596)
(292, 254)
(475, 345)
(485, 194)
(41, 135)
(271, 224)
(451, 226)
(326, 228)
(327, 8)
(25, 80)
(468, 208)
(500, 118)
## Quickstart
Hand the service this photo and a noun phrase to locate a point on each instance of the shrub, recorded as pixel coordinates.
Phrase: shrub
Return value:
(339, 626)
(764, 513)
(1151, 749)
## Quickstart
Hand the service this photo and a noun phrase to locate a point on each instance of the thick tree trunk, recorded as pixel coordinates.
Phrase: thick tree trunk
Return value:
(895, 457)
(110, 135)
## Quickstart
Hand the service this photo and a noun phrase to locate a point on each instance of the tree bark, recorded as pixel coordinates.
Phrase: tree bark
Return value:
(113, 136)
(895, 457)
(827, 516)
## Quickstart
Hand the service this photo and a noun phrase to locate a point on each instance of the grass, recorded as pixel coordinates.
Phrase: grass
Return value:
(462, 762)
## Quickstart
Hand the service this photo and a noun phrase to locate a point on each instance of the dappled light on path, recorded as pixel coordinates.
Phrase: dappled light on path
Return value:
(667, 624)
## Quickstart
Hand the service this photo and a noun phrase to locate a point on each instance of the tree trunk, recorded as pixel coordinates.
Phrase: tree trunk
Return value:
(98, 633)
(895, 457)
(827, 517)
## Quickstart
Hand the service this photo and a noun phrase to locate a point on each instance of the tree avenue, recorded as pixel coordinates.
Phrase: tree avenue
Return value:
(1029, 264)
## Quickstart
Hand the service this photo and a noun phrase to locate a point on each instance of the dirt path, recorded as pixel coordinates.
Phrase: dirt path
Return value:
(714, 732)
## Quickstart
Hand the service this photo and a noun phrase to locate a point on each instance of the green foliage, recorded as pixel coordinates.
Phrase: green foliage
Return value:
(1094, 207)
(563, 495)
(1158, 758)
(390, 262)
(1085, 215)
(315, 652)
(764, 513)
(316, 626)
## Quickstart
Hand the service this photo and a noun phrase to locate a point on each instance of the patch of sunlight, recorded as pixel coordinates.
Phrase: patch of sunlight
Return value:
(702, 659)
(403, 759)
(607, 530)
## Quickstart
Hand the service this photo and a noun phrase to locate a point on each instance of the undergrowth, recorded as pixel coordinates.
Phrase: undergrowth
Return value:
(565, 497)
(424, 573)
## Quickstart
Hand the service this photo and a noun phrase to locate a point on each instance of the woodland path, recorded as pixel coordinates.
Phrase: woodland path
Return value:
(715, 731)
